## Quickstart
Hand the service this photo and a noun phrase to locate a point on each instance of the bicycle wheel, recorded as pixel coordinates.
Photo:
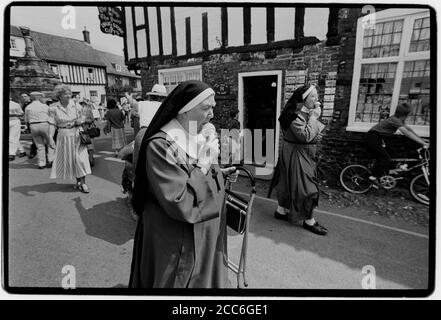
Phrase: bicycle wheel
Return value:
(419, 189)
(355, 178)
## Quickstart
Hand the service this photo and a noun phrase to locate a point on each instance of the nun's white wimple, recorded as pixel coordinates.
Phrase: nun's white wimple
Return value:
(196, 100)
(307, 92)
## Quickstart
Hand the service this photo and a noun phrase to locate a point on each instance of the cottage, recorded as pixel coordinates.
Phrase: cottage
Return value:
(119, 78)
(365, 60)
(76, 62)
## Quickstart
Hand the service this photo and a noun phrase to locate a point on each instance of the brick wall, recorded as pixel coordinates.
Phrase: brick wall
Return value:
(339, 147)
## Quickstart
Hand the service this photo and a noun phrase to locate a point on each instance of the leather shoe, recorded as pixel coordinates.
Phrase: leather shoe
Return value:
(316, 228)
(49, 165)
(11, 158)
(84, 188)
(22, 154)
(280, 216)
(40, 167)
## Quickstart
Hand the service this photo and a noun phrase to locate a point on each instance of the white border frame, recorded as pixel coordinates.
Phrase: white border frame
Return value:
(409, 17)
(277, 73)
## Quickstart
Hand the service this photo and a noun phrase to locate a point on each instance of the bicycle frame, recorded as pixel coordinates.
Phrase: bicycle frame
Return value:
(423, 163)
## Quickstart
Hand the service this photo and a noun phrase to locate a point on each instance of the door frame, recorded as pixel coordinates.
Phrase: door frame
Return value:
(277, 73)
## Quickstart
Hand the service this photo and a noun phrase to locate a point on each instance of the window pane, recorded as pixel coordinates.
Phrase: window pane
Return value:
(388, 27)
(415, 34)
(398, 26)
(381, 42)
(374, 97)
(378, 28)
(420, 36)
(425, 34)
(415, 90)
(396, 39)
(386, 39)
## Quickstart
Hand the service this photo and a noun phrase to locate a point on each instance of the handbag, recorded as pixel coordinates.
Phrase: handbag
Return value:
(85, 138)
(236, 209)
(93, 131)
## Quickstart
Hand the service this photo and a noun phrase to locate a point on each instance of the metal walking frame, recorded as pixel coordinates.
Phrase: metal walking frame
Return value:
(238, 214)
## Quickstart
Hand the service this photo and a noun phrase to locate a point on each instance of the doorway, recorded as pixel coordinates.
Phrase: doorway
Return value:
(259, 105)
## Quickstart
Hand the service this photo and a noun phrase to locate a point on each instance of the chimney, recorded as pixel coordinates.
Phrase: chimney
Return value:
(29, 44)
(86, 36)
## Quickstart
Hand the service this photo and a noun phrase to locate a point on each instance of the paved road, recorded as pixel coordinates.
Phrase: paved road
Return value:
(51, 226)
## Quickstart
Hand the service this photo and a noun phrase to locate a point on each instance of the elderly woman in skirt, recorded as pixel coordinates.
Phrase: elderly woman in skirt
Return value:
(115, 120)
(71, 157)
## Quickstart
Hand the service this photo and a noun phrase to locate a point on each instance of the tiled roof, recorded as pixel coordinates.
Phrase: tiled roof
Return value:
(61, 49)
(54, 48)
(110, 60)
(15, 31)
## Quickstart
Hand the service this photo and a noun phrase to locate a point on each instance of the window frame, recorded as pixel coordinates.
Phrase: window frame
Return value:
(404, 55)
(162, 72)
(13, 44)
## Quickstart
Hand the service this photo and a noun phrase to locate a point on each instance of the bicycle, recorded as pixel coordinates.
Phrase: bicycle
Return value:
(355, 177)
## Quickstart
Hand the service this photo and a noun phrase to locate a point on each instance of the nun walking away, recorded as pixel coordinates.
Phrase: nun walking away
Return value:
(180, 239)
(297, 183)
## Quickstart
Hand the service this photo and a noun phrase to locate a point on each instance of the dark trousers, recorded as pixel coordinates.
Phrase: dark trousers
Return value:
(374, 145)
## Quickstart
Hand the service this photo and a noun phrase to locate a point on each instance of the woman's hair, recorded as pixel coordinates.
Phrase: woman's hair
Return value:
(61, 89)
(403, 110)
(111, 104)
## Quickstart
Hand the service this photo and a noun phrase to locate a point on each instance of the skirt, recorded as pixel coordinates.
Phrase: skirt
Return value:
(118, 138)
(71, 157)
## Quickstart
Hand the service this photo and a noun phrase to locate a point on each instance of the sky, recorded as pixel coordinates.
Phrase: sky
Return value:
(49, 20)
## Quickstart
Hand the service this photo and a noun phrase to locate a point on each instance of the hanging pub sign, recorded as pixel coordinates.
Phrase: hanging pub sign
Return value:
(111, 20)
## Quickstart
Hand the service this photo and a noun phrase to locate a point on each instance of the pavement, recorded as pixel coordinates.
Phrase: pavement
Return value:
(52, 226)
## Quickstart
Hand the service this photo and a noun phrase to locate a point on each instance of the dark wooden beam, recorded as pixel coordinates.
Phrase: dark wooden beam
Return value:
(205, 31)
(173, 31)
(332, 35)
(246, 25)
(135, 38)
(299, 23)
(293, 44)
(270, 24)
(187, 36)
(147, 32)
(159, 19)
(126, 57)
(224, 26)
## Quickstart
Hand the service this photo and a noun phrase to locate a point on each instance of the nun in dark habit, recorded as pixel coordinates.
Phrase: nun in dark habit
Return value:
(180, 240)
(296, 182)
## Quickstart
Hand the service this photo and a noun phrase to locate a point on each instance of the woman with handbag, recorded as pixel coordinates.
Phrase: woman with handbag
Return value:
(71, 158)
(90, 128)
(115, 120)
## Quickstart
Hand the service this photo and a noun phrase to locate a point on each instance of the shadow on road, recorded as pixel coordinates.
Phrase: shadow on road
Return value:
(109, 221)
(25, 165)
(31, 190)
